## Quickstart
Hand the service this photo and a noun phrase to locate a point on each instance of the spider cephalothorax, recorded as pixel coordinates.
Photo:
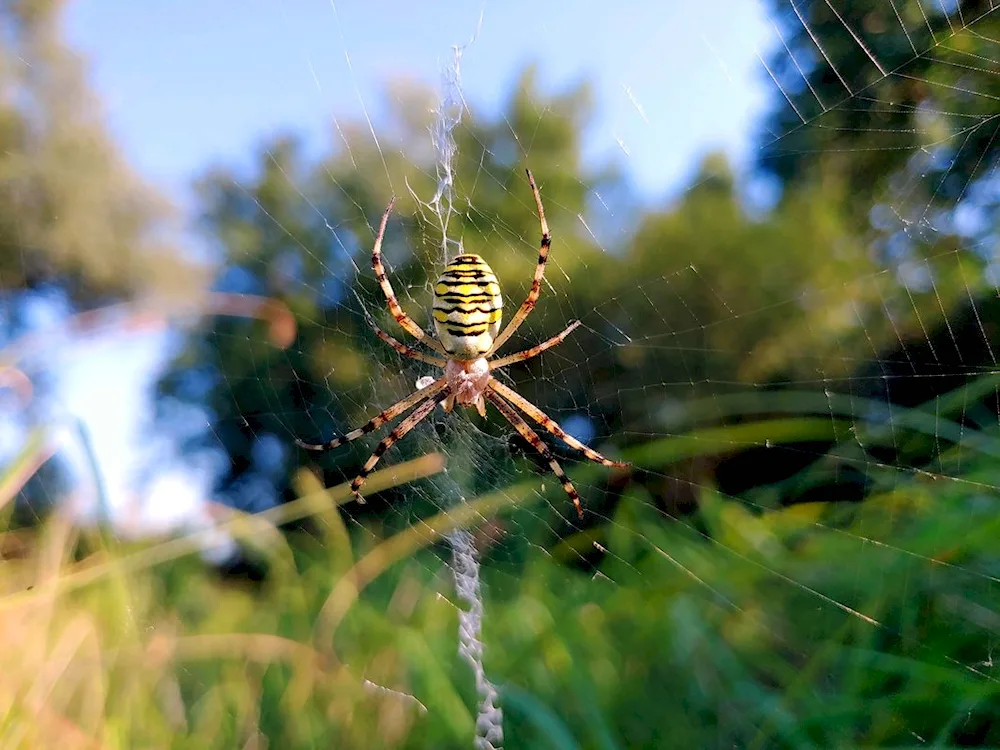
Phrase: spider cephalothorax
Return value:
(467, 382)
(467, 310)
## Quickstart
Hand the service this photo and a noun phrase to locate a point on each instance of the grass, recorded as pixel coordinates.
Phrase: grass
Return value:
(751, 624)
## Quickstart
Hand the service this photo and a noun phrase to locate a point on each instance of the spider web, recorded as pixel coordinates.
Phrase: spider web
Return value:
(879, 336)
(884, 326)
(910, 316)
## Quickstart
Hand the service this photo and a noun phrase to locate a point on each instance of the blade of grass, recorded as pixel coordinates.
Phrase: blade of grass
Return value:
(541, 716)
(407, 542)
(36, 451)
(237, 524)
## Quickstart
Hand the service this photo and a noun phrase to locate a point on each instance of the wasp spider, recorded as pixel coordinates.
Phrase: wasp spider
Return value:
(467, 309)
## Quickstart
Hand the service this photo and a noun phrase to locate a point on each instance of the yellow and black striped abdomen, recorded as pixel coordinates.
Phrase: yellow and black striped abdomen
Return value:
(467, 307)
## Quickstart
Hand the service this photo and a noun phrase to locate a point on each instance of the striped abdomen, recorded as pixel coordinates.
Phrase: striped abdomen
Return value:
(467, 307)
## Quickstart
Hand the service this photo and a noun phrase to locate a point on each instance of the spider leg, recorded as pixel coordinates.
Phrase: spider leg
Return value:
(535, 350)
(406, 351)
(536, 284)
(377, 421)
(398, 433)
(536, 442)
(550, 424)
(401, 317)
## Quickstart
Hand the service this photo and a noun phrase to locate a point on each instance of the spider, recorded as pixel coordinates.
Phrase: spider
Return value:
(467, 308)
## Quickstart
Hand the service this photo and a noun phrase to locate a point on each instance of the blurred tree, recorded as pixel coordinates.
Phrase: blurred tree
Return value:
(668, 316)
(303, 232)
(889, 111)
(77, 228)
(701, 297)
(897, 99)
(71, 211)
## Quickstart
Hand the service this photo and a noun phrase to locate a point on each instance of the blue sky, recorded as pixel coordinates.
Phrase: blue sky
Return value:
(189, 82)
